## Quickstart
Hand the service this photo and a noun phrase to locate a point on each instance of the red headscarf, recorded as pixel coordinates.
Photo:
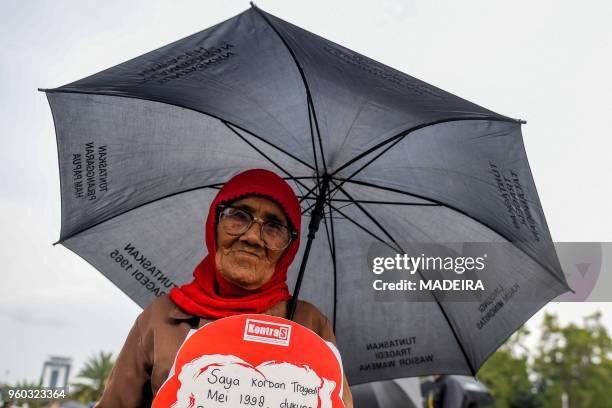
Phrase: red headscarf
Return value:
(209, 294)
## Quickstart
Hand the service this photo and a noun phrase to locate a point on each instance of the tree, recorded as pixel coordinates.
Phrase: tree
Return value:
(506, 374)
(572, 360)
(576, 361)
(95, 373)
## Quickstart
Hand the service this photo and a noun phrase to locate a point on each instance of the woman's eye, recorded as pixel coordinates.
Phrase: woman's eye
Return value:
(275, 227)
(242, 216)
(238, 215)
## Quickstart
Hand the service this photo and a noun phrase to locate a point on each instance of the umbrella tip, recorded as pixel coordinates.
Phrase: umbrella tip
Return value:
(253, 4)
(521, 121)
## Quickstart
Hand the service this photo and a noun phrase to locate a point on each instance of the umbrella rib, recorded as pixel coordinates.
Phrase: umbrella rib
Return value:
(469, 363)
(296, 184)
(310, 190)
(219, 185)
(433, 294)
(305, 210)
(394, 190)
(75, 91)
(303, 75)
(213, 186)
(314, 149)
(344, 200)
(364, 229)
(316, 121)
(441, 204)
(370, 216)
(353, 201)
(369, 162)
(415, 128)
(285, 178)
(264, 155)
(83, 229)
(350, 202)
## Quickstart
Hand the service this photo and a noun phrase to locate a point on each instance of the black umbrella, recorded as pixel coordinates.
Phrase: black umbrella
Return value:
(383, 394)
(376, 156)
(457, 391)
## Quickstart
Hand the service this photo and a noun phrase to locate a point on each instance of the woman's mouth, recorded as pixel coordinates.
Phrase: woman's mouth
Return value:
(245, 253)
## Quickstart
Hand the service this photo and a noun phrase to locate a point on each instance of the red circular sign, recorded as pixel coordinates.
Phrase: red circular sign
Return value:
(255, 361)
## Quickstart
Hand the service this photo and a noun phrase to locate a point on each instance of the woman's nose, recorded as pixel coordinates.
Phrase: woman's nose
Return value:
(253, 235)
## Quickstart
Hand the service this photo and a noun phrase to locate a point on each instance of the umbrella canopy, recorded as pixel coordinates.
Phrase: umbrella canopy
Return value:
(467, 391)
(460, 391)
(381, 157)
(387, 394)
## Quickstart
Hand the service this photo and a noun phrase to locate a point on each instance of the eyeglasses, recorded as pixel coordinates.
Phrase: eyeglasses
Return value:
(235, 221)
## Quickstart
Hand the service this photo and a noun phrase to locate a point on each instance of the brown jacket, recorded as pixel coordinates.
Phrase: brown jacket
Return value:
(149, 350)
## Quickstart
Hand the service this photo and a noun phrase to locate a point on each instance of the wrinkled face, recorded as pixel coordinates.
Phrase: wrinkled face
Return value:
(244, 260)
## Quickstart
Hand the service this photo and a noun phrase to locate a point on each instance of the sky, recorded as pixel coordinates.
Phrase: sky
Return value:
(546, 62)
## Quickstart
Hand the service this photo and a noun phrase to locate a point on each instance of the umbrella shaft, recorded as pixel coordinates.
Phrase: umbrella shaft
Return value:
(315, 220)
(317, 213)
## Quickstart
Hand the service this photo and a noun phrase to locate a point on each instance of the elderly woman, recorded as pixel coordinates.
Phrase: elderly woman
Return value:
(252, 236)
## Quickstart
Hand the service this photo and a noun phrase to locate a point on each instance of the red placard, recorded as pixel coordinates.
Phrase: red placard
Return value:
(255, 361)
